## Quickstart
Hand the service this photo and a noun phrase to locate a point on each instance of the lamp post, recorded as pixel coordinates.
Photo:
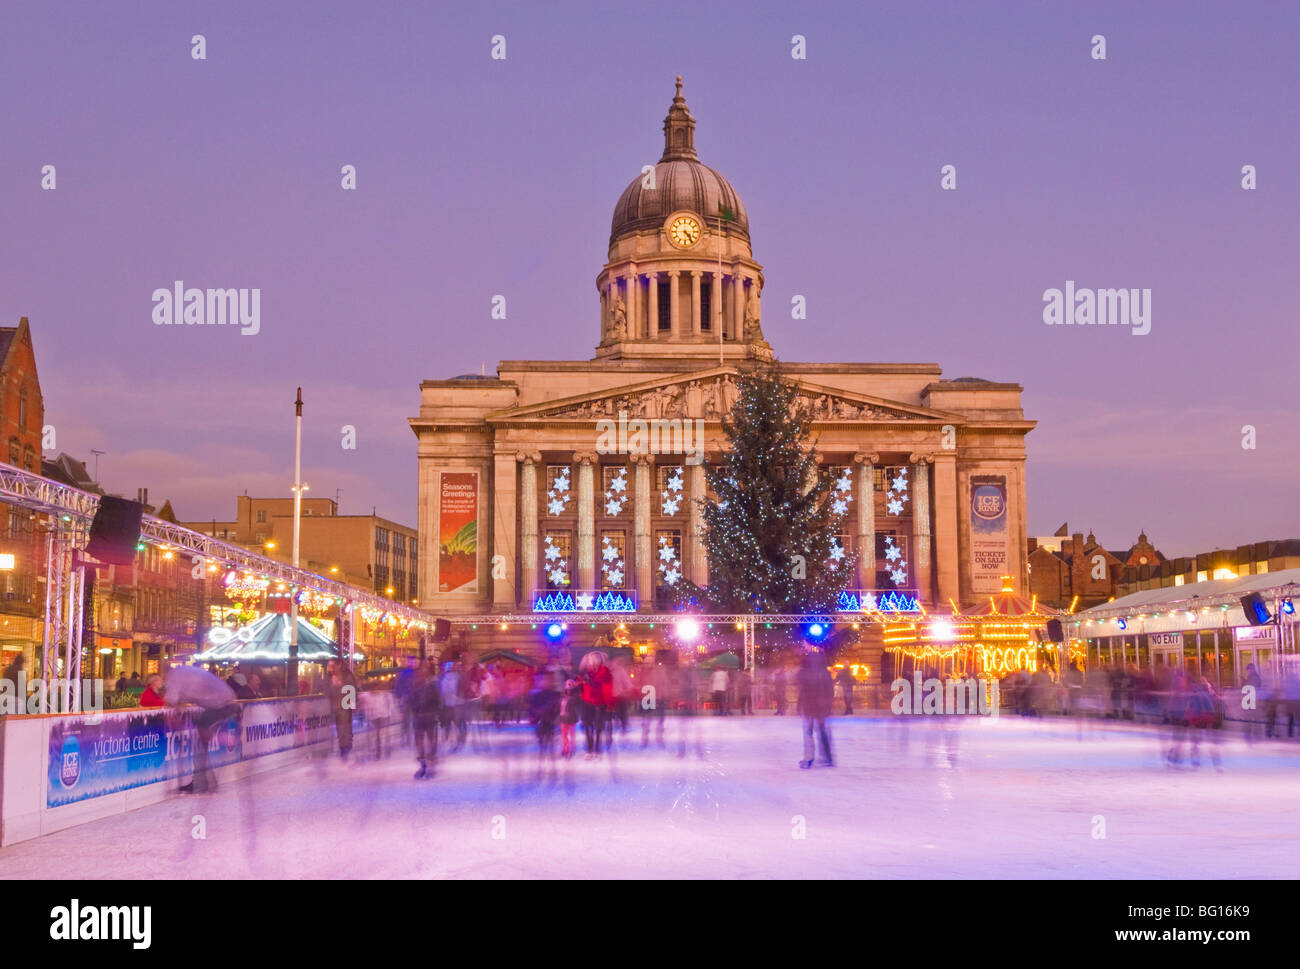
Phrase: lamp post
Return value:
(291, 687)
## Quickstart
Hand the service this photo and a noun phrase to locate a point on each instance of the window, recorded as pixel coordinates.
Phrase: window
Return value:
(22, 410)
(557, 560)
(706, 304)
(668, 568)
(29, 459)
(1261, 568)
(261, 517)
(886, 568)
(612, 552)
(664, 475)
(381, 578)
(399, 545)
(15, 451)
(665, 306)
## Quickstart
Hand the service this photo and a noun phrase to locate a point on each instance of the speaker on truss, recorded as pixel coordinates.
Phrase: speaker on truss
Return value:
(1256, 610)
(441, 631)
(115, 530)
(1054, 631)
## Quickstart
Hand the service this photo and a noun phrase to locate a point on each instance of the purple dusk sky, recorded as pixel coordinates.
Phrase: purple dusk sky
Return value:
(478, 177)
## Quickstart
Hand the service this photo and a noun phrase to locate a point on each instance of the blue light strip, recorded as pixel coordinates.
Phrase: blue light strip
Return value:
(563, 602)
(883, 602)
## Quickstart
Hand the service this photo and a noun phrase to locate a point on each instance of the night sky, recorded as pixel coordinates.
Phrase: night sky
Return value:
(477, 177)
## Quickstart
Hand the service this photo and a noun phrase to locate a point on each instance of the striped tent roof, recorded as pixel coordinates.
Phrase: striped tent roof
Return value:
(267, 640)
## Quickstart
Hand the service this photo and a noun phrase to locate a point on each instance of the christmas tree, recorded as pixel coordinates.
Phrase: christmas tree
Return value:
(771, 529)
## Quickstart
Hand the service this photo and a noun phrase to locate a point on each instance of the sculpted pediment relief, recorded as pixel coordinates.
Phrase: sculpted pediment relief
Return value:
(709, 397)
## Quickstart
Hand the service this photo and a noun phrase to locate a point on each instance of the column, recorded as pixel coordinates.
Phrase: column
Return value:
(633, 309)
(653, 312)
(645, 558)
(674, 305)
(696, 328)
(865, 494)
(921, 525)
(697, 486)
(586, 521)
(715, 308)
(528, 526)
(945, 527)
(738, 306)
(504, 521)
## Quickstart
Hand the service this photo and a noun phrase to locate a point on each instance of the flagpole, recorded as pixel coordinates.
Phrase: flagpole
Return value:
(718, 295)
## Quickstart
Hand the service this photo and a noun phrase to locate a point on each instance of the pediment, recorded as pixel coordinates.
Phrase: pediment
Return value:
(709, 394)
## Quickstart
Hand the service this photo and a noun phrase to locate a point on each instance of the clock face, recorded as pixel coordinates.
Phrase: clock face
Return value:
(684, 232)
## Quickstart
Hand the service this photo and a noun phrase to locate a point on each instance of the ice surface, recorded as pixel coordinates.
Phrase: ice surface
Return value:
(915, 798)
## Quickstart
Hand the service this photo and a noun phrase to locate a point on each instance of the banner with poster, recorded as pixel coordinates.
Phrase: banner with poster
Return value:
(94, 755)
(458, 531)
(989, 533)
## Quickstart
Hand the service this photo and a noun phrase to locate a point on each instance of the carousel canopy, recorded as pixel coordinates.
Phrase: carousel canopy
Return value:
(1007, 603)
(267, 640)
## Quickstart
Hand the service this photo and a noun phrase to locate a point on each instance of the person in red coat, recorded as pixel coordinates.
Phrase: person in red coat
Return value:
(597, 699)
(152, 694)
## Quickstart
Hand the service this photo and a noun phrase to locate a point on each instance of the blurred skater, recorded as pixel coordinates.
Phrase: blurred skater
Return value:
(195, 686)
(424, 699)
(816, 694)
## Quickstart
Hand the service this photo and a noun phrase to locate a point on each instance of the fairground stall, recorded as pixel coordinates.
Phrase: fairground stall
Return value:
(1218, 628)
(1005, 636)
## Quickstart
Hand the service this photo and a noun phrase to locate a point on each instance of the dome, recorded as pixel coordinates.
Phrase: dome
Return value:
(681, 181)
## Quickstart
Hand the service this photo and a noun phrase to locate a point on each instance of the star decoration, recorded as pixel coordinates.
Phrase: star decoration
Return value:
(899, 483)
(666, 553)
(844, 484)
(892, 552)
(840, 506)
(609, 553)
(894, 506)
(584, 600)
(670, 507)
(613, 507)
(552, 553)
(837, 552)
(615, 576)
(619, 483)
(671, 576)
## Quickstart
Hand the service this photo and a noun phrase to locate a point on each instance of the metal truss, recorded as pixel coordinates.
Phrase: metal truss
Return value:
(74, 509)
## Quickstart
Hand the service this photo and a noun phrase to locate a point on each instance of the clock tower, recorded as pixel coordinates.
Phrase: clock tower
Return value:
(681, 280)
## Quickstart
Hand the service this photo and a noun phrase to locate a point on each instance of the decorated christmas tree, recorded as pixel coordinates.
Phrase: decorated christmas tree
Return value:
(771, 520)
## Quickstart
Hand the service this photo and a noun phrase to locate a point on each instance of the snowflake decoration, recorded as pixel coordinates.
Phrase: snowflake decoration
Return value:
(669, 564)
(557, 499)
(837, 551)
(897, 493)
(611, 564)
(557, 569)
(616, 494)
(672, 494)
(893, 554)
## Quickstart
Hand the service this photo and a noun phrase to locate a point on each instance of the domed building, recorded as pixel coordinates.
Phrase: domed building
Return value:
(526, 508)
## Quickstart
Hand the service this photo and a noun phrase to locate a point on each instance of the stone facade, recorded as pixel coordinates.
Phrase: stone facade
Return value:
(934, 469)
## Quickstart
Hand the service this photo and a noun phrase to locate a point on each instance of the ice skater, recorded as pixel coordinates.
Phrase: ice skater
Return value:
(195, 686)
(424, 697)
(816, 694)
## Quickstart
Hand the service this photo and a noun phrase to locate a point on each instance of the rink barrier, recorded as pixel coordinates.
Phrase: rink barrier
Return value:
(61, 770)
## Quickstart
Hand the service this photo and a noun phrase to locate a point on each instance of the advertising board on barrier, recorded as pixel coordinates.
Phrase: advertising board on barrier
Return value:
(97, 755)
(270, 726)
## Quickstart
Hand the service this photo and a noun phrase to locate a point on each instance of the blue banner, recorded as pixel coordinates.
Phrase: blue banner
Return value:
(98, 755)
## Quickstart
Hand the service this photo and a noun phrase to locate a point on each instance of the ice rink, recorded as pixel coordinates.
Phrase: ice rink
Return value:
(909, 798)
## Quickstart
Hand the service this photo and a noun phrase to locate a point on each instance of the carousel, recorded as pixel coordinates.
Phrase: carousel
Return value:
(1005, 636)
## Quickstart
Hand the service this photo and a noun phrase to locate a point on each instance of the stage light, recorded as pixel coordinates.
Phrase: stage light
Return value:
(816, 632)
(1288, 606)
(942, 630)
(554, 631)
(1121, 623)
(688, 630)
